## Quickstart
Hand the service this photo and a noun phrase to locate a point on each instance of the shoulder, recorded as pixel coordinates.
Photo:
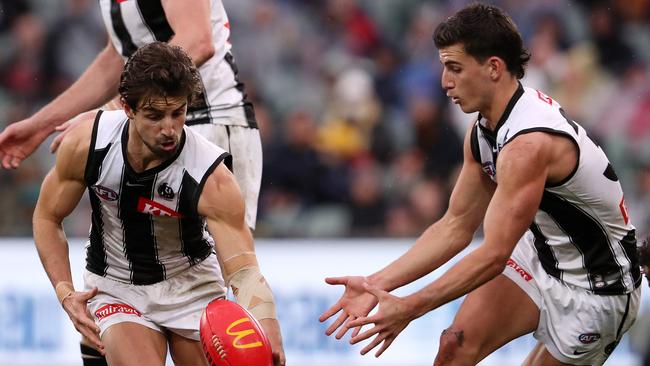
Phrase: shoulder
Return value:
(221, 195)
(72, 154)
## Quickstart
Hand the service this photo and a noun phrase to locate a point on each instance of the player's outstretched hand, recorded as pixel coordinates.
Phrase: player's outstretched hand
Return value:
(75, 306)
(355, 302)
(393, 316)
(272, 330)
(19, 140)
(68, 126)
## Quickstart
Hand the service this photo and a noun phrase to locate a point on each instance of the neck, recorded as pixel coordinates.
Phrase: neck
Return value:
(139, 155)
(499, 102)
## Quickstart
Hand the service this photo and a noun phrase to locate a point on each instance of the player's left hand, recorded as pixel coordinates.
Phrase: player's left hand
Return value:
(272, 330)
(394, 314)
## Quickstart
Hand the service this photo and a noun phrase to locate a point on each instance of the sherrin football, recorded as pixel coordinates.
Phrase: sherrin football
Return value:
(231, 336)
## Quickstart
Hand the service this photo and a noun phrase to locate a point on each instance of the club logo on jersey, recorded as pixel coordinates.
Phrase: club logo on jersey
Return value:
(488, 168)
(239, 334)
(587, 338)
(111, 309)
(104, 193)
(522, 272)
(153, 208)
(166, 192)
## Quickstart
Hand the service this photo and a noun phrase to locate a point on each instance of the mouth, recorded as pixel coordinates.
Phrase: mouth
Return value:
(168, 145)
(455, 100)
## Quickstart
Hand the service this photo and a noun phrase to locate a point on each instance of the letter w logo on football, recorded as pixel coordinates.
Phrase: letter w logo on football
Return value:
(239, 334)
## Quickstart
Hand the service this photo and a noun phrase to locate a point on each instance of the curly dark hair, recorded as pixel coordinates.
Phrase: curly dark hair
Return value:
(159, 70)
(485, 31)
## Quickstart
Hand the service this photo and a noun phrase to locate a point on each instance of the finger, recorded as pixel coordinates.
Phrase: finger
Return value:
(337, 323)
(384, 346)
(378, 339)
(63, 126)
(15, 162)
(56, 143)
(355, 331)
(336, 280)
(365, 335)
(361, 321)
(330, 312)
(344, 329)
(89, 294)
(6, 161)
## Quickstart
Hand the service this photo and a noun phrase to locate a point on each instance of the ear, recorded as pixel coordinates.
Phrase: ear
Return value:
(496, 67)
(127, 109)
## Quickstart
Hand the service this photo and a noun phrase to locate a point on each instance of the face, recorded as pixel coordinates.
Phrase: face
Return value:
(466, 81)
(158, 124)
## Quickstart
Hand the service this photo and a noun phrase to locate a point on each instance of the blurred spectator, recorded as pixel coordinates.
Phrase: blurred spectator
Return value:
(358, 136)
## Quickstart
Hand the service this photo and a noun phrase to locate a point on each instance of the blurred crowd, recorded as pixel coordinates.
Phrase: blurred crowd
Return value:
(359, 138)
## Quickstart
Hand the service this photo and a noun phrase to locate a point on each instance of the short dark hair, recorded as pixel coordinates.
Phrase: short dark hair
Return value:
(485, 31)
(644, 252)
(159, 70)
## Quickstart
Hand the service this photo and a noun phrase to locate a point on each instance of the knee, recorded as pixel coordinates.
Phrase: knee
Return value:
(454, 349)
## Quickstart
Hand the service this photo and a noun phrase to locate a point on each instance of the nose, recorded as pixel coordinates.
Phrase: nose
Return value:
(167, 128)
(446, 81)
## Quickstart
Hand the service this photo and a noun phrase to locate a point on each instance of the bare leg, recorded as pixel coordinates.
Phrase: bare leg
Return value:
(134, 344)
(540, 356)
(490, 316)
(185, 351)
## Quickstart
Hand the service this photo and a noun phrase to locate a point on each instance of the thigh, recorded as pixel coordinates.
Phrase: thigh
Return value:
(134, 344)
(185, 351)
(492, 315)
(540, 356)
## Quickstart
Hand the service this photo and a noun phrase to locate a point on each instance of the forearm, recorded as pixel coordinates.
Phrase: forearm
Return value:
(437, 245)
(52, 248)
(475, 269)
(96, 86)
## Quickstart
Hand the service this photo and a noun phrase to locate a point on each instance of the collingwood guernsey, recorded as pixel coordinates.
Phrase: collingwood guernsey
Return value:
(145, 226)
(582, 233)
(134, 23)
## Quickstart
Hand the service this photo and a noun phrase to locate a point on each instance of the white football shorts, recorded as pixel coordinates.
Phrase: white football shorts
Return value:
(576, 326)
(245, 146)
(175, 304)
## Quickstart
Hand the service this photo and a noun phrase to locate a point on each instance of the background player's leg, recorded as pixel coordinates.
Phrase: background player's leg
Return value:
(134, 344)
(90, 356)
(540, 356)
(490, 316)
(185, 351)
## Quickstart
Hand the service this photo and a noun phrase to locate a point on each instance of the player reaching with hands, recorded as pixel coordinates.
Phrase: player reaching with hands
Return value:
(558, 258)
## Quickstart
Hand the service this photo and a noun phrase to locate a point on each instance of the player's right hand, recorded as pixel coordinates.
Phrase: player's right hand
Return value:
(355, 302)
(19, 140)
(75, 306)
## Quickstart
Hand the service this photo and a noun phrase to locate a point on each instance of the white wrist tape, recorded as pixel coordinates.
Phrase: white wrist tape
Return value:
(252, 292)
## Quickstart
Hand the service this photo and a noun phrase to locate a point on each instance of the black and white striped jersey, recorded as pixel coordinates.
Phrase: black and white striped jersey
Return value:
(582, 232)
(145, 226)
(134, 23)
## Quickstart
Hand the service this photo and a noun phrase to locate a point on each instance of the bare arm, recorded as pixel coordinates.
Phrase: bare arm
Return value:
(96, 86)
(60, 193)
(523, 168)
(222, 205)
(190, 20)
(449, 235)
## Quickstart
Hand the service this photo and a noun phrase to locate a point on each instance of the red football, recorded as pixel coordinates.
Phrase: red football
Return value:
(232, 337)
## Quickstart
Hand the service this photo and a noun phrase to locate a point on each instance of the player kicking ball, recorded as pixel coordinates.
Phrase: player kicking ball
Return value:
(168, 229)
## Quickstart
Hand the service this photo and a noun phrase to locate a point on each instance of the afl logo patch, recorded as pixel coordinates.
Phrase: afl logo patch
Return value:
(587, 338)
(166, 192)
(104, 193)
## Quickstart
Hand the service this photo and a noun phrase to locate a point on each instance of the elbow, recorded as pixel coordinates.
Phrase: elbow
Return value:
(497, 263)
(203, 52)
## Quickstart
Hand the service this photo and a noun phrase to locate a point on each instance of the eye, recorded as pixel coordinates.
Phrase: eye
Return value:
(154, 116)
